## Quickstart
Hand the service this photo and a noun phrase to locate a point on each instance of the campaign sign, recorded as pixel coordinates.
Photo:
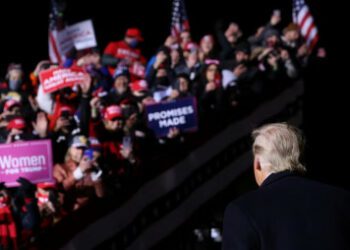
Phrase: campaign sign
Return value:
(57, 78)
(31, 160)
(83, 35)
(181, 114)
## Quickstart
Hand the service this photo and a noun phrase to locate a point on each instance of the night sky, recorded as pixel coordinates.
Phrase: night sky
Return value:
(111, 20)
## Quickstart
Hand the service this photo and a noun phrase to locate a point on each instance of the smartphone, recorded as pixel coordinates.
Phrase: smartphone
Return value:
(103, 97)
(126, 142)
(89, 153)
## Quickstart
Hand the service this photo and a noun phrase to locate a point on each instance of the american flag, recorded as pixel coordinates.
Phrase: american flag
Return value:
(179, 21)
(55, 25)
(302, 16)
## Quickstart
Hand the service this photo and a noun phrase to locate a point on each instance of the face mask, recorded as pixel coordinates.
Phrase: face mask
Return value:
(140, 98)
(134, 43)
(14, 85)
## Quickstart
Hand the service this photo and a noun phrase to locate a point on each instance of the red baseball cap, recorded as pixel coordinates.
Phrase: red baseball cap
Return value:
(212, 61)
(10, 104)
(191, 47)
(112, 112)
(67, 109)
(139, 85)
(134, 32)
(18, 123)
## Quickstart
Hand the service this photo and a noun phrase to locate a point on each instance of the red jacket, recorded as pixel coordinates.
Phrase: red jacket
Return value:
(8, 233)
(121, 50)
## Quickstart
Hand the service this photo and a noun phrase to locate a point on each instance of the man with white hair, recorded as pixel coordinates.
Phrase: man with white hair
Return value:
(287, 212)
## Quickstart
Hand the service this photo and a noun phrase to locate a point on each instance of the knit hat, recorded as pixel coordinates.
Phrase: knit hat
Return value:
(79, 141)
(271, 32)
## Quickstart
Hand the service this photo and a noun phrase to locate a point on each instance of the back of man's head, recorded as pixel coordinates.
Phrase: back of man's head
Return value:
(278, 146)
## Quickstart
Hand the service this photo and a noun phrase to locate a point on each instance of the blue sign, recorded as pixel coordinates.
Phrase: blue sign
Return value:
(180, 114)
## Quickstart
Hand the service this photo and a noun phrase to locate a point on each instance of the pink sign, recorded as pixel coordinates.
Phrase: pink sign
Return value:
(31, 160)
(58, 78)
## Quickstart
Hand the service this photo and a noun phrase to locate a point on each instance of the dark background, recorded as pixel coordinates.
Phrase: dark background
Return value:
(24, 24)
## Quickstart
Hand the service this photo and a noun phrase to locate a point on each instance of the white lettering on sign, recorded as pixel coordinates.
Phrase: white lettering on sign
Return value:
(176, 121)
(20, 162)
(162, 115)
(63, 75)
(31, 169)
(127, 53)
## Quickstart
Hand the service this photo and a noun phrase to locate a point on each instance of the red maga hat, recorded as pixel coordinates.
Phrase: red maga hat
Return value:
(134, 32)
(112, 112)
(18, 123)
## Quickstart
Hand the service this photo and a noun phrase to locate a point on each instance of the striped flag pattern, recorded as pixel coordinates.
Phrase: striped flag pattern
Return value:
(179, 21)
(303, 18)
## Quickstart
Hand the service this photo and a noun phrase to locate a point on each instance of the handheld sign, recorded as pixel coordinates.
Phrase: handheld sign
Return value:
(79, 36)
(181, 114)
(83, 35)
(31, 160)
(57, 78)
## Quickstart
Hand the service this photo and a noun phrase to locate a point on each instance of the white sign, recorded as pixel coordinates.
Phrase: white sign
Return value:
(83, 35)
(80, 35)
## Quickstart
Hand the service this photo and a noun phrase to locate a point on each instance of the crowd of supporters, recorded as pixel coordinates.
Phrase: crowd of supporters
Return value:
(98, 128)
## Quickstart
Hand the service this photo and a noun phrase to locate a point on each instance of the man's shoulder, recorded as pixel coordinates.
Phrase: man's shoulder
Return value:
(329, 192)
(307, 185)
(293, 186)
(249, 199)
